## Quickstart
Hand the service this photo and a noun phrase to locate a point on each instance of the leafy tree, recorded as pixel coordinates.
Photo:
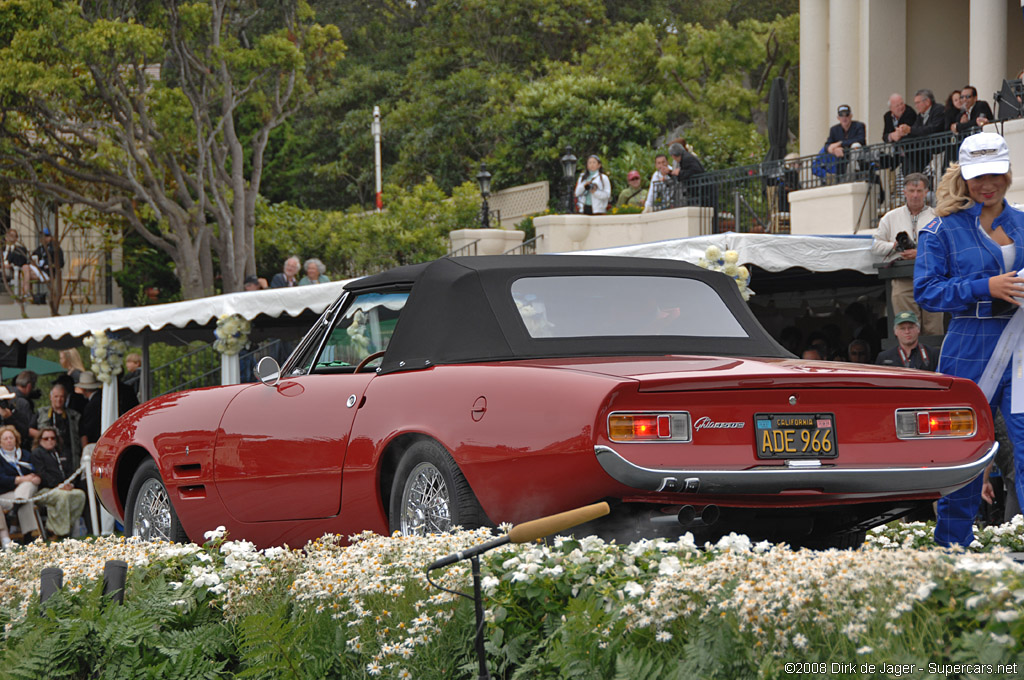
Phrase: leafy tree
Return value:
(159, 113)
(413, 229)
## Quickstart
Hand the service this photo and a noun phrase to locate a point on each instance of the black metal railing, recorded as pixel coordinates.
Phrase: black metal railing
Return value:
(202, 366)
(198, 368)
(527, 247)
(755, 198)
(468, 249)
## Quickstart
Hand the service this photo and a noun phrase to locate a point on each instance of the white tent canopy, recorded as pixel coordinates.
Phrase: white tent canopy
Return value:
(205, 311)
(771, 252)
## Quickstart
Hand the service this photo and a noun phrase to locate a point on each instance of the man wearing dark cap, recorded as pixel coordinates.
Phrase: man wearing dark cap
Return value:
(846, 133)
(635, 194)
(253, 282)
(909, 353)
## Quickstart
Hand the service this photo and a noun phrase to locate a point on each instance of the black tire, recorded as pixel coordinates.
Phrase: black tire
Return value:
(149, 513)
(430, 495)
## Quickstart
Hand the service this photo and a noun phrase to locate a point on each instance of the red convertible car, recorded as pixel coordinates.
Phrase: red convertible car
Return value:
(474, 391)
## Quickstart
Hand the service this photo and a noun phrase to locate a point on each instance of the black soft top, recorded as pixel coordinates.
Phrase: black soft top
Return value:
(461, 310)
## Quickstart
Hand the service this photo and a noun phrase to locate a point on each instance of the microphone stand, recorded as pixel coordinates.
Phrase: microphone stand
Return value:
(523, 533)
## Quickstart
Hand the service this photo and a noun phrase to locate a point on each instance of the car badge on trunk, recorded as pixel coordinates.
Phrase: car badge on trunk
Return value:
(705, 423)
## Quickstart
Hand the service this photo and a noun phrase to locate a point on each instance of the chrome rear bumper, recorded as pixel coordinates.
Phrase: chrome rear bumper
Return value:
(824, 478)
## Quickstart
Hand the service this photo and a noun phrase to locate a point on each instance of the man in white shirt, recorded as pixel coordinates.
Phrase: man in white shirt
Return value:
(661, 174)
(896, 239)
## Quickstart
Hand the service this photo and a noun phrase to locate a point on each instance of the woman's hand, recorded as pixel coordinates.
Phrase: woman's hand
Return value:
(1007, 287)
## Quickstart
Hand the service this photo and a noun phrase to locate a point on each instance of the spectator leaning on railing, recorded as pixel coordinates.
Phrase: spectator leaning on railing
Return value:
(896, 239)
(662, 168)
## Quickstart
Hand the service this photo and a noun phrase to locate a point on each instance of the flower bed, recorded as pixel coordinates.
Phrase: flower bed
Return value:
(652, 609)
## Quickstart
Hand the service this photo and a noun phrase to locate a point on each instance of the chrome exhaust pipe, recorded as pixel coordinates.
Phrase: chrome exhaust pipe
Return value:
(688, 517)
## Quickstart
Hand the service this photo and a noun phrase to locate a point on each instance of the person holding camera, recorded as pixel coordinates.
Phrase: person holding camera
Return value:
(896, 239)
(593, 189)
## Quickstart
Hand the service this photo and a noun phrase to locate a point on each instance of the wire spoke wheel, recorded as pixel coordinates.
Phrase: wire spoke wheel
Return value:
(149, 513)
(426, 502)
(152, 516)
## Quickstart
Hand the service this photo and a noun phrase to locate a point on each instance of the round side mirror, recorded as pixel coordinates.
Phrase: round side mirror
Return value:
(268, 371)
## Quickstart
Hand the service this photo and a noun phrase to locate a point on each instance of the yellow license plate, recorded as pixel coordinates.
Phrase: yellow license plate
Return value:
(795, 435)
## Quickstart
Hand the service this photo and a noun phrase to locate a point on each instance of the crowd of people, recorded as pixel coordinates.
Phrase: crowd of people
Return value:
(594, 196)
(41, 447)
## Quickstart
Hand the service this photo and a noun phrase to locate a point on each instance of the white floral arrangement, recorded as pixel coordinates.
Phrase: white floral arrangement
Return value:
(106, 353)
(717, 261)
(232, 333)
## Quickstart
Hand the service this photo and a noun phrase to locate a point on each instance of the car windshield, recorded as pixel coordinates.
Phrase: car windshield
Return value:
(365, 328)
(602, 306)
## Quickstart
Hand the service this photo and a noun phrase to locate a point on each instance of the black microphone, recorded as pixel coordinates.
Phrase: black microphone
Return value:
(467, 553)
(530, 531)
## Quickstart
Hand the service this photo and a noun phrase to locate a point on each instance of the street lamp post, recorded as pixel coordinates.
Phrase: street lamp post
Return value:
(483, 178)
(568, 174)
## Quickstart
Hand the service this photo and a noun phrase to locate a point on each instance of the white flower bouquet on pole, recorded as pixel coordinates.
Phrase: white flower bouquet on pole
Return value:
(232, 333)
(106, 353)
(717, 261)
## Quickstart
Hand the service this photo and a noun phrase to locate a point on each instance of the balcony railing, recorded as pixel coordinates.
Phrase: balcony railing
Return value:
(754, 198)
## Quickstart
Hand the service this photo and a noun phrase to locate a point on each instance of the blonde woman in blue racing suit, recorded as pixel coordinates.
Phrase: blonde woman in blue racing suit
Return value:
(967, 263)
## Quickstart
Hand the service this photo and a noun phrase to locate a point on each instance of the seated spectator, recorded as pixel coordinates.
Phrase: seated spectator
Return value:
(896, 125)
(287, 277)
(18, 480)
(593, 188)
(909, 353)
(253, 282)
(314, 272)
(859, 352)
(974, 112)
(64, 503)
(930, 119)
(15, 257)
(930, 116)
(43, 260)
(846, 133)
(635, 194)
(655, 192)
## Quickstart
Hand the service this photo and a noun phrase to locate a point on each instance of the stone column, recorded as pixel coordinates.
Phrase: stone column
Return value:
(816, 113)
(987, 48)
(844, 58)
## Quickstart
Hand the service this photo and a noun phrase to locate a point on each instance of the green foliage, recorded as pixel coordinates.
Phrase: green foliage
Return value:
(414, 228)
(155, 634)
(513, 83)
(652, 610)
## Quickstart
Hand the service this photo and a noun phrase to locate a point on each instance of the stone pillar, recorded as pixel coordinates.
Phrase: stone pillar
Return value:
(883, 61)
(987, 47)
(844, 58)
(816, 112)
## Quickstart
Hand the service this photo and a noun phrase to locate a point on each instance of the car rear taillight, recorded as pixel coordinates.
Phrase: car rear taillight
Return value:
(936, 422)
(649, 427)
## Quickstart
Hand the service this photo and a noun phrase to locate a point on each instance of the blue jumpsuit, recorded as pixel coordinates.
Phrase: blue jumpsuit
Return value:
(955, 260)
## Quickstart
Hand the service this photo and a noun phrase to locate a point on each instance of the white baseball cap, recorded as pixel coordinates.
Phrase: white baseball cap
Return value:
(984, 153)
